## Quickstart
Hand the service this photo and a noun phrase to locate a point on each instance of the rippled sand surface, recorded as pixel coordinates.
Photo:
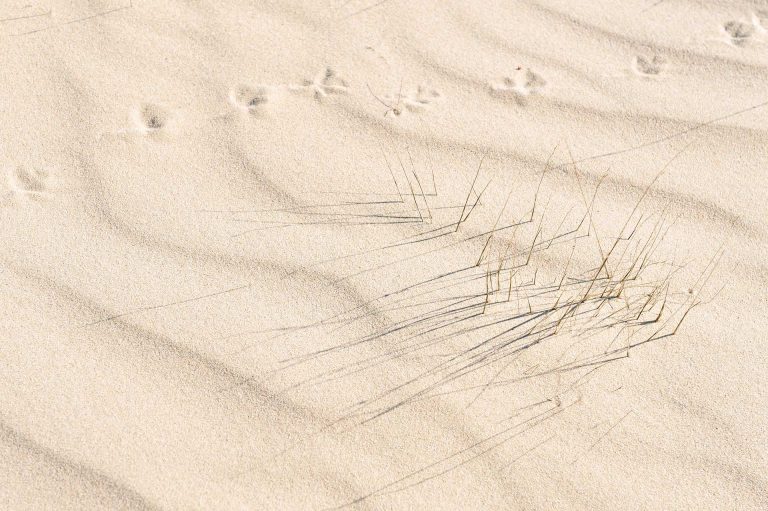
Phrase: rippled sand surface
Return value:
(362, 254)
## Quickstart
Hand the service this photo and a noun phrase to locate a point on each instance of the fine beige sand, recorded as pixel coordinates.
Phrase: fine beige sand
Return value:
(364, 254)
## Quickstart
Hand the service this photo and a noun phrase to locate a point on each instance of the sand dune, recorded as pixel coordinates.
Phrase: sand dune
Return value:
(361, 254)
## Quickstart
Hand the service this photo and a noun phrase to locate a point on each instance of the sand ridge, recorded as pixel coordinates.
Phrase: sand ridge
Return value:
(363, 254)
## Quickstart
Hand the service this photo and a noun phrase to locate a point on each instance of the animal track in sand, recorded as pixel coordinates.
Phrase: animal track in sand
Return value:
(523, 84)
(30, 183)
(249, 98)
(414, 102)
(649, 66)
(151, 117)
(326, 82)
(739, 33)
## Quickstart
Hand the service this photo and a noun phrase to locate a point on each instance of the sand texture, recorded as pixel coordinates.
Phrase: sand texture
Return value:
(374, 255)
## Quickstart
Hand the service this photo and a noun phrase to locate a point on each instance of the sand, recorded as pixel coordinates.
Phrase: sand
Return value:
(361, 254)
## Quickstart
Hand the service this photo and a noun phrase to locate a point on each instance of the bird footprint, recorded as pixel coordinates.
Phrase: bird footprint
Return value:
(252, 99)
(28, 183)
(414, 102)
(739, 33)
(649, 66)
(327, 82)
(525, 83)
(150, 117)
